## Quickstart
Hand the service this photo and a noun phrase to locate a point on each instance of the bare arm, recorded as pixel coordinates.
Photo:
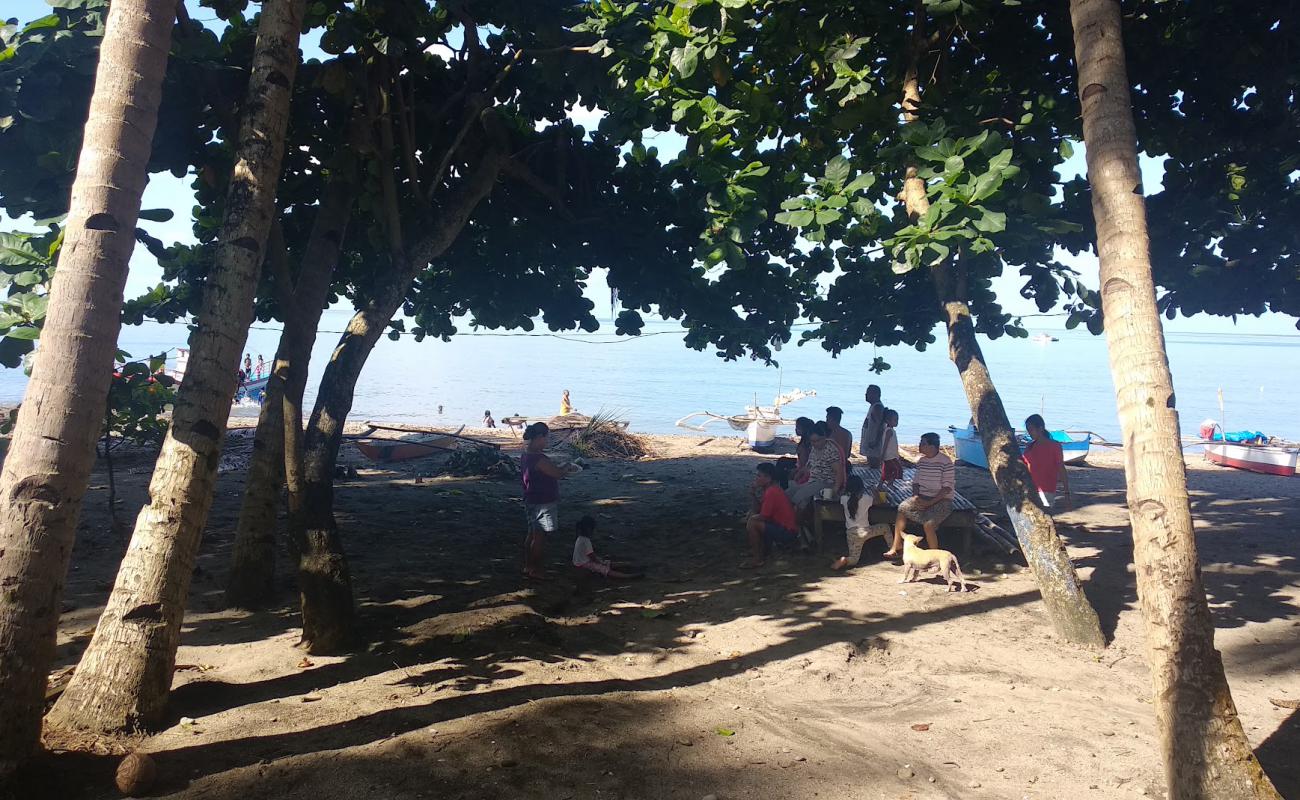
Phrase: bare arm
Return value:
(547, 467)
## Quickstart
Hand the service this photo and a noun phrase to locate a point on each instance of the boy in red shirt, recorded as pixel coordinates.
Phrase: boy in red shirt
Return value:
(1046, 461)
(774, 523)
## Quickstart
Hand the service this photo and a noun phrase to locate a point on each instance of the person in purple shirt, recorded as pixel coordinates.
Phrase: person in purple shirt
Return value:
(541, 478)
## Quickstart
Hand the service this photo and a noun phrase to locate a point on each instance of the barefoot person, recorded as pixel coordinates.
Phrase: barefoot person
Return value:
(541, 477)
(774, 523)
(873, 428)
(1046, 462)
(584, 554)
(933, 485)
(857, 526)
(566, 405)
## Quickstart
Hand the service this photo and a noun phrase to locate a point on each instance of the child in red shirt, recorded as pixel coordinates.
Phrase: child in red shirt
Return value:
(1046, 461)
(774, 523)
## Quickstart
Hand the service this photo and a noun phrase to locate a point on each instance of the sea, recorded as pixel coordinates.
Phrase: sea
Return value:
(653, 380)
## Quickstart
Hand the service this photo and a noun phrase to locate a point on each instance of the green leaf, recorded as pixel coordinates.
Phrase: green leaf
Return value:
(25, 333)
(940, 251)
(930, 153)
(685, 60)
(726, 732)
(992, 222)
(863, 181)
(837, 170)
(953, 166)
(999, 162)
(796, 219)
(1067, 149)
(826, 216)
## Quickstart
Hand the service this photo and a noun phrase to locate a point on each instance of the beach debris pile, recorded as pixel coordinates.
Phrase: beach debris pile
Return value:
(605, 437)
(487, 461)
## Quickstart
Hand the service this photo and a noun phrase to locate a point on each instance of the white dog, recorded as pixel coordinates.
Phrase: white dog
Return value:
(917, 560)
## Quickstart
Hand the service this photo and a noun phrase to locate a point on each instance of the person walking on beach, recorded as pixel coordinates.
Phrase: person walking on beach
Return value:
(541, 478)
(566, 406)
(1046, 462)
(933, 486)
(873, 428)
(774, 522)
(839, 433)
(488, 422)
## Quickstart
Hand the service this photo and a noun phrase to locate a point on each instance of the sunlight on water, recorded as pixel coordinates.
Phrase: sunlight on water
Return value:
(654, 380)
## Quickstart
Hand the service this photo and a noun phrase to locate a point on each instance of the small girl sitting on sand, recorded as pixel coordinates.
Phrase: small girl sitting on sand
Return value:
(584, 554)
(857, 527)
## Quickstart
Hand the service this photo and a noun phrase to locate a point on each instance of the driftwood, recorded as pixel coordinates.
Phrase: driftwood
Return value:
(992, 532)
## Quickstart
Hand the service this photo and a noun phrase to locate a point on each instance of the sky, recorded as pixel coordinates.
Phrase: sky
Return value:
(166, 191)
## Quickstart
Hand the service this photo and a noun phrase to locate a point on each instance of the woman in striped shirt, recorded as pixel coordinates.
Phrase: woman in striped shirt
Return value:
(933, 485)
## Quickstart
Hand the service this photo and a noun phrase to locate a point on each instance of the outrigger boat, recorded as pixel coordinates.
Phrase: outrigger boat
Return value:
(250, 391)
(758, 422)
(1269, 459)
(1252, 451)
(970, 448)
(416, 443)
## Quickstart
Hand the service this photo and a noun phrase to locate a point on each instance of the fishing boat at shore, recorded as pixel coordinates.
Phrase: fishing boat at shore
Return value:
(970, 448)
(251, 389)
(759, 423)
(415, 442)
(1043, 338)
(1268, 459)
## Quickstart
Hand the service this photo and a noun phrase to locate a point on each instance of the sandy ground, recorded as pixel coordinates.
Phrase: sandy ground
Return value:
(701, 679)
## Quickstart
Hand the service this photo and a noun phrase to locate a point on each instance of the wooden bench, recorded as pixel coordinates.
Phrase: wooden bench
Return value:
(962, 520)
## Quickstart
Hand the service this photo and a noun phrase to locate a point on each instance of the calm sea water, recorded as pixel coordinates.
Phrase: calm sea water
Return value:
(654, 380)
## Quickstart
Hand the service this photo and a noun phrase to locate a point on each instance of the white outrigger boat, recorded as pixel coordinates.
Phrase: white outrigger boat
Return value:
(758, 422)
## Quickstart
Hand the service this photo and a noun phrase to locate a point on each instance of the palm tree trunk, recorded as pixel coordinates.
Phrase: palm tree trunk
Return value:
(252, 568)
(49, 461)
(124, 677)
(1072, 616)
(1206, 753)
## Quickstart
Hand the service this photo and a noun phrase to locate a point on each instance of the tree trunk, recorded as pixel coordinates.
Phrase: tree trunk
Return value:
(323, 575)
(123, 679)
(53, 448)
(252, 569)
(1206, 753)
(1073, 617)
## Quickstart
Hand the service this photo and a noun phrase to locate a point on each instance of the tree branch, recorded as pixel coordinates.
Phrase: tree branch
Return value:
(522, 172)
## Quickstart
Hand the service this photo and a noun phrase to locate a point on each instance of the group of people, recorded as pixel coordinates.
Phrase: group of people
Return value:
(249, 372)
(787, 489)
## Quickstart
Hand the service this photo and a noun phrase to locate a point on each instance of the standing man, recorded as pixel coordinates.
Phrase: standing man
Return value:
(1046, 462)
(839, 434)
(873, 428)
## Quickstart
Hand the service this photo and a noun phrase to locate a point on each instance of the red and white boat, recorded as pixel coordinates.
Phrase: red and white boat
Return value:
(1269, 459)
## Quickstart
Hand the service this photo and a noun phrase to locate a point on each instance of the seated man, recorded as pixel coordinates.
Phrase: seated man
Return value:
(774, 523)
(933, 487)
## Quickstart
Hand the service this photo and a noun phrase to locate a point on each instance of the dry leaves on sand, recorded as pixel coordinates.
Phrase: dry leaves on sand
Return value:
(921, 726)
(1284, 703)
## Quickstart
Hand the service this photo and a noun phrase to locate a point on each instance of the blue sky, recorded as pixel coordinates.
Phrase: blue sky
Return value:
(165, 191)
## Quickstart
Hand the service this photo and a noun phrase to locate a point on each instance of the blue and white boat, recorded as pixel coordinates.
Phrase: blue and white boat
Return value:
(970, 448)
